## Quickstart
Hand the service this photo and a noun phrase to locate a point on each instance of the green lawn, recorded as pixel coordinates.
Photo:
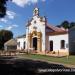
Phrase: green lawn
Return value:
(63, 60)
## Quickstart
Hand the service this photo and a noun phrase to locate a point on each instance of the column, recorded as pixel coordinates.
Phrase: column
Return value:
(39, 44)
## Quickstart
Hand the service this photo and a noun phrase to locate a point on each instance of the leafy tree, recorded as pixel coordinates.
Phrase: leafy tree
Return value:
(5, 35)
(3, 8)
(65, 24)
(72, 24)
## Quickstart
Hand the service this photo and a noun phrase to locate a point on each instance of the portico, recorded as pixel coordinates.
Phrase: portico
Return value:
(35, 40)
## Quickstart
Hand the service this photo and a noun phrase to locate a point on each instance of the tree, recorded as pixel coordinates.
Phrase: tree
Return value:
(65, 24)
(72, 24)
(5, 35)
(3, 8)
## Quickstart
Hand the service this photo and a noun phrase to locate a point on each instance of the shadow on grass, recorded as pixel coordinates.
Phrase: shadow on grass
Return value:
(15, 66)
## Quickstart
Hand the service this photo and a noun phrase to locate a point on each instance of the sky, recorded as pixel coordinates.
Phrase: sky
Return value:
(20, 11)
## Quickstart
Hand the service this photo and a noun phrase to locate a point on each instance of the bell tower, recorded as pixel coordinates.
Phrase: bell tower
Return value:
(36, 12)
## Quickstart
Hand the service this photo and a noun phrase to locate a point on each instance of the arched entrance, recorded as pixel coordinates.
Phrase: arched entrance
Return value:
(35, 43)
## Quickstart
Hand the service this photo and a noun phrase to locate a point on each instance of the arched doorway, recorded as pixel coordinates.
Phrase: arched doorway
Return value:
(35, 43)
(51, 45)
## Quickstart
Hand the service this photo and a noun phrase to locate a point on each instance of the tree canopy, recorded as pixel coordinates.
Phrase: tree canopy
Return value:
(5, 35)
(3, 8)
(72, 24)
(66, 24)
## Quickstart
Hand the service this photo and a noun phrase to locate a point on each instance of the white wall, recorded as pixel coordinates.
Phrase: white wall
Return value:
(40, 28)
(21, 40)
(47, 43)
(57, 41)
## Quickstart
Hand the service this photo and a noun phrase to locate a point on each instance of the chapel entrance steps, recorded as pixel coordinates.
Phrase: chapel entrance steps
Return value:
(46, 52)
(51, 53)
(32, 51)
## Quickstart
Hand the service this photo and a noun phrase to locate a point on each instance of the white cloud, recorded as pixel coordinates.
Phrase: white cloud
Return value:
(10, 14)
(22, 3)
(1, 26)
(3, 20)
(11, 27)
(15, 25)
(43, 0)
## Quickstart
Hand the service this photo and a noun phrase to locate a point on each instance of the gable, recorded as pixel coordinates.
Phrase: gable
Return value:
(36, 20)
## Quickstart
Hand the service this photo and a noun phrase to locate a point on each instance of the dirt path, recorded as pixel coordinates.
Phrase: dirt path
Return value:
(17, 66)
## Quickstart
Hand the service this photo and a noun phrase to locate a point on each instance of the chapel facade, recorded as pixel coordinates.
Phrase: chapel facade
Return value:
(44, 37)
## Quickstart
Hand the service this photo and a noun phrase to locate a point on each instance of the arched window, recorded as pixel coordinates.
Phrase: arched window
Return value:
(24, 45)
(62, 44)
(51, 45)
(18, 44)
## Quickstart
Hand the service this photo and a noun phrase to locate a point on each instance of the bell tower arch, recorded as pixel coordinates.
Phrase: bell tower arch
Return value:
(36, 12)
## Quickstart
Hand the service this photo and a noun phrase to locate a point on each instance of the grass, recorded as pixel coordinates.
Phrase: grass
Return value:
(63, 60)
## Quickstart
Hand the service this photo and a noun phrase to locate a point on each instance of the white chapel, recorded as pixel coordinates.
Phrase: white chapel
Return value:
(41, 36)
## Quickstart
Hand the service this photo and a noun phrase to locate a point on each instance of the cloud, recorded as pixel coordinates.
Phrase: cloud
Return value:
(10, 14)
(11, 27)
(22, 3)
(15, 25)
(1, 26)
(43, 0)
(3, 20)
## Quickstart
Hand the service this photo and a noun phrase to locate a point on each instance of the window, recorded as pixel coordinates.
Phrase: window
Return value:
(51, 45)
(35, 22)
(18, 44)
(62, 44)
(24, 45)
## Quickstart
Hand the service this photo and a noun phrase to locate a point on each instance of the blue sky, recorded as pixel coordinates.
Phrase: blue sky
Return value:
(19, 11)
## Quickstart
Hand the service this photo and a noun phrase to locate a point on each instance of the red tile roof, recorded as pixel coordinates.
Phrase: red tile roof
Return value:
(56, 29)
